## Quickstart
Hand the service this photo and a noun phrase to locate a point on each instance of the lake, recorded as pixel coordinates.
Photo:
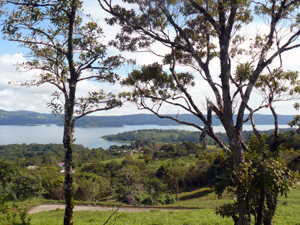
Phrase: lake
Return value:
(88, 137)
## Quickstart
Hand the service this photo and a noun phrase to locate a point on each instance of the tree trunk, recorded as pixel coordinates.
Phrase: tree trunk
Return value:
(260, 213)
(271, 201)
(69, 198)
(244, 214)
(235, 143)
(69, 129)
(177, 190)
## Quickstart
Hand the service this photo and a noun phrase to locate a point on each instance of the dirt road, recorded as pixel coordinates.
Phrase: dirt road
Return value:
(42, 208)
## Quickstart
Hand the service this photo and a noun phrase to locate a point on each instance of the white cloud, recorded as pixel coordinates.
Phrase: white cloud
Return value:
(16, 97)
(35, 98)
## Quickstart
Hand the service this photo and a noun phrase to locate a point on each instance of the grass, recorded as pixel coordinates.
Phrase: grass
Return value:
(119, 160)
(287, 212)
(153, 217)
(286, 215)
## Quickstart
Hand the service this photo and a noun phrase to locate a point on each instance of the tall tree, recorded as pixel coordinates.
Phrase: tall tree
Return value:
(195, 34)
(64, 51)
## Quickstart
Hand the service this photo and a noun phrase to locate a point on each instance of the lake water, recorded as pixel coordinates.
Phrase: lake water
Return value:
(88, 137)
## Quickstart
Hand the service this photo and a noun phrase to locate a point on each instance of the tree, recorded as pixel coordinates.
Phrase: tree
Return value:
(26, 185)
(91, 187)
(265, 178)
(8, 171)
(64, 52)
(195, 34)
(174, 177)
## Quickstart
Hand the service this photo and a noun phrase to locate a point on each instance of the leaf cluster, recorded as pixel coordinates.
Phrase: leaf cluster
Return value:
(154, 83)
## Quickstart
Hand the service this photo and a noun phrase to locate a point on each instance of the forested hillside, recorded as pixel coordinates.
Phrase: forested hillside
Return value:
(26, 118)
(32, 118)
(166, 136)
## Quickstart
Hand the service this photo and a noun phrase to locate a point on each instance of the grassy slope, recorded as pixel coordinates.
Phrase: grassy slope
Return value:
(205, 216)
(287, 212)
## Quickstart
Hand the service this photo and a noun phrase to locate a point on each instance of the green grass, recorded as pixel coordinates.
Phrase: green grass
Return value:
(134, 156)
(286, 215)
(287, 212)
(202, 198)
(292, 198)
(153, 217)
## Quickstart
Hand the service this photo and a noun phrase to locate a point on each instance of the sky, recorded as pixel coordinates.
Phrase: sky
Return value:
(13, 97)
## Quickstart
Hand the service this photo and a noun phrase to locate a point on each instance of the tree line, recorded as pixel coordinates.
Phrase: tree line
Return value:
(166, 136)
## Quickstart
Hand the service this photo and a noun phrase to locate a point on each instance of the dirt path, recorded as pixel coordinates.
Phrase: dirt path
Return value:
(42, 208)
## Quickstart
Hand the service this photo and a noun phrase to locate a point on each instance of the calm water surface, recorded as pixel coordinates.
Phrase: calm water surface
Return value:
(88, 137)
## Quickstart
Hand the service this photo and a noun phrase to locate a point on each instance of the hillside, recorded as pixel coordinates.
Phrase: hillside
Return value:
(34, 118)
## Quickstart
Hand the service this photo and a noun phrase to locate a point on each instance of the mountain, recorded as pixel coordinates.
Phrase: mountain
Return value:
(26, 118)
(34, 118)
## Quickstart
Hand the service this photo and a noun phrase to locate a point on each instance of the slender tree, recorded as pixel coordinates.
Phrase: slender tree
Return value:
(194, 34)
(64, 51)
(276, 85)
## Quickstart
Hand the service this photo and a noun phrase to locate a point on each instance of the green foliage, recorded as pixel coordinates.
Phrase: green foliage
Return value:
(148, 158)
(262, 178)
(243, 72)
(91, 187)
(128, 161)
(155, 135)
(151, 81)
(8, 171)
(217, 174)
(47, 154)
(94, 167)
(14, 214)
(279, 85)
(27, 184)
(229, 210)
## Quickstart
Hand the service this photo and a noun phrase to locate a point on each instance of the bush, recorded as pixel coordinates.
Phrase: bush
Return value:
(167, 200)
(15, 214)
(148, 201)
(27, 185)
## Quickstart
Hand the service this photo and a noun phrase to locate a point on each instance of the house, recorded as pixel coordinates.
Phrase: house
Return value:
(32, 167)
(61, 164)
(63, 171)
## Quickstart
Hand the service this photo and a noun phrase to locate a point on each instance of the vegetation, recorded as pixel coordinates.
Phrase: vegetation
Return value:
(194, 34)
(205, 37)
(175, 174)
(207, 201)
(153, 136)
(287, 215)
(62, 48)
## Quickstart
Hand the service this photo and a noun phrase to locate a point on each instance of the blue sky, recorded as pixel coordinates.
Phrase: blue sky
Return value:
(14, 98)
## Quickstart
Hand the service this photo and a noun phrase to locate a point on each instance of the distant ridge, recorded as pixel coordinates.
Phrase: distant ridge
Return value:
(34, 118)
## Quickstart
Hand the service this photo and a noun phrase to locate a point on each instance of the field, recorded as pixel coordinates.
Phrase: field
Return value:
(287, 212)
